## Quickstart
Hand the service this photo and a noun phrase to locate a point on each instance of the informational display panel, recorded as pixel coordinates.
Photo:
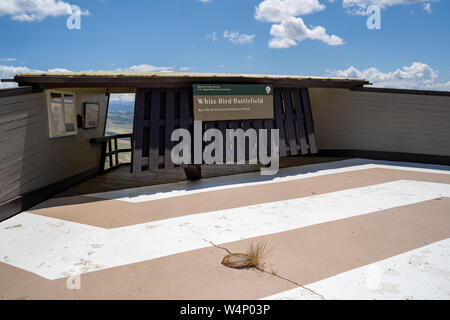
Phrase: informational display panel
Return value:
(62, 114)
(56, 114)
(215, 102)
(91, 115)
(69, 113)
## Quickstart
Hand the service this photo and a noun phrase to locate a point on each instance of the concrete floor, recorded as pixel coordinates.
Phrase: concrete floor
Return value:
(121, 178)
(351, 229)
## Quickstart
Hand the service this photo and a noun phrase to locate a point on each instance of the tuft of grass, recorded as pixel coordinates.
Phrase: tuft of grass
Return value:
(257, 252)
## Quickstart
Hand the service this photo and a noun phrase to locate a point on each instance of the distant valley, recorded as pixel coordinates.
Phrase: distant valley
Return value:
(120, 121)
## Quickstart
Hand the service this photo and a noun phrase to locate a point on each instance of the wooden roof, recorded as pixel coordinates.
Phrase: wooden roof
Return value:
(174, 80)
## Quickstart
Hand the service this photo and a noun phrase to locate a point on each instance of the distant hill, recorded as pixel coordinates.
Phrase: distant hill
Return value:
(120, 118)
(120, 121)
(120, 106)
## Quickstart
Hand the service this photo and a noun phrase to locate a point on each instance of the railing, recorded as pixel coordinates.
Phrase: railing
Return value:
(110, 159)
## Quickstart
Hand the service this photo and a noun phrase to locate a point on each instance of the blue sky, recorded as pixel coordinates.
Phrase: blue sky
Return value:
(410, 50)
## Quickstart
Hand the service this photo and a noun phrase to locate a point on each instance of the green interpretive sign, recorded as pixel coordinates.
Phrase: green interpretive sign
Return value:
(215, 102)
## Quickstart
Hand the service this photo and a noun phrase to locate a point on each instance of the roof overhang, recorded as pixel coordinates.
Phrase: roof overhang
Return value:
(175, 80)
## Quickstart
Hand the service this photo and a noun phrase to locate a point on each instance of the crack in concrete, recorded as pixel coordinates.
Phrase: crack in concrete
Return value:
(219, 247)
(273, 274)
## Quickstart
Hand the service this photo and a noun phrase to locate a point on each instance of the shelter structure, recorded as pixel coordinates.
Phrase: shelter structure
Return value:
(53, 125)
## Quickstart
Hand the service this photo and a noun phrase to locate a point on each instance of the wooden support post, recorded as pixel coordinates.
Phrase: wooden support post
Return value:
(103, 157)
(116, 148)
(138, 131)
(193, 172)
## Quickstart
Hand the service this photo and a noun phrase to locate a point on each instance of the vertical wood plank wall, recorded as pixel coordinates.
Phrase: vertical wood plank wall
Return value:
(159, 111)
(29, 160)
(376, 121)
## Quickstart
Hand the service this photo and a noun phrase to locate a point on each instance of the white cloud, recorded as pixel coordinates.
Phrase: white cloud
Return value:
(416, 76)
(280, 10)
(185, 68)
(145, 68)
(8, 72)
(35, 10)
(360, 6)
(212, 36)
(237, 37)
(289, 29)
(122, 98)
(293, 30)
(427, 7)
(58, 70)
(8, 59)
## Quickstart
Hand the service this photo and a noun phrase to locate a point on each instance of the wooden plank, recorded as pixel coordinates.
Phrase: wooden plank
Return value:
(106, 138)
(118, 151)
(11, 92)
(103, 157)
(35, 107)
(153, 163)
(162, 122)
(23, 102)
(300, 121)
(279, 121)
(110, 154)
(185, 118)
(138, 130)
(257, 125)
(268, 124)
(309, 121)
(245, 126)
(106, 112)
(184, 109)
(292, 137)
(169, 127)
(209, 125)
(160, 160)
(234, 124)
(116, 147)
(222, 126)
(32, 198)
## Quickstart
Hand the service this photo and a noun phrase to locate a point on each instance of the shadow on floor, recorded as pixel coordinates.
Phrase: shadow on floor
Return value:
(156, 182)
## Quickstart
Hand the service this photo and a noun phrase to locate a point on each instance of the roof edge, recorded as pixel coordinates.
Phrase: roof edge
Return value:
(403, 91)
(177, 75)
(176, 79)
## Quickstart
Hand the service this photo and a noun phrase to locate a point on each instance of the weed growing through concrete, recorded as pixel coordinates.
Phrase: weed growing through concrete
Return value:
(253, 258)
(257, 253)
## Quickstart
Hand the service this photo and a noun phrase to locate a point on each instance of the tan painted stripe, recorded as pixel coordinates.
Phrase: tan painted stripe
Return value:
(113, 213)
(304, 255)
